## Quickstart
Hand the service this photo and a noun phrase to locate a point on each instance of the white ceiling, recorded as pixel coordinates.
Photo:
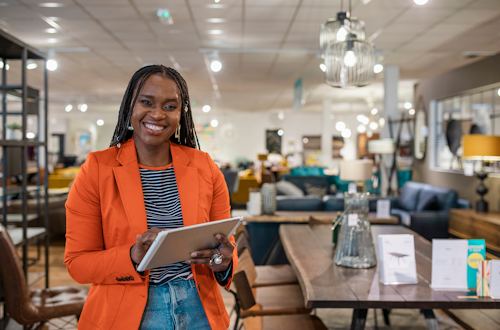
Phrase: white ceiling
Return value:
(123, 35)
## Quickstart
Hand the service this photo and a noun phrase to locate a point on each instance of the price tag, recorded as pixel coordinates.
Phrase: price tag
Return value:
(383, 209)
(352, 220)
(449, 264)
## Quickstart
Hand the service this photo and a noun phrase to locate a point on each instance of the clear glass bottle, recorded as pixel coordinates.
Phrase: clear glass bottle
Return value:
(355, 245)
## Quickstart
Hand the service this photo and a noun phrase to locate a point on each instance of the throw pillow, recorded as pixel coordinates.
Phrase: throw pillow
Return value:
(315, 190)
(289, 189)
(427, 202)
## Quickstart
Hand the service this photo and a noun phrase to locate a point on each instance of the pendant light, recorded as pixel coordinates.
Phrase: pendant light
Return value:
(337, 29)
(349, 63)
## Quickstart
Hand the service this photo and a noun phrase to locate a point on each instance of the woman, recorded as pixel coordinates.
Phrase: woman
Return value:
(152, 177)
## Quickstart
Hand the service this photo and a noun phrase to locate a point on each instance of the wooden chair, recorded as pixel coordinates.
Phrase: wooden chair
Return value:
(33, 308)
(263, 301)
(267, 275)
(284, 322)
(241, 230)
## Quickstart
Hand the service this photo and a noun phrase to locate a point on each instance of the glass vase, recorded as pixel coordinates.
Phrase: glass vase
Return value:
(355, 245)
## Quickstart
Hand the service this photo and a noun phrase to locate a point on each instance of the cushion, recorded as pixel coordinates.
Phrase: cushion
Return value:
(403, 215)
(427, 202)
(446, 198)
(289, 189)
(299, 181)
(306, 203)
(315, 190)
(333, 203)
(409, 195)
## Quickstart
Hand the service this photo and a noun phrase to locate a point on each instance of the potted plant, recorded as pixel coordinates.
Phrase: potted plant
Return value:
(14, 132)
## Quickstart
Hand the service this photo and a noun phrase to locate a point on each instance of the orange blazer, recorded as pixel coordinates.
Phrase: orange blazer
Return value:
(105, 211)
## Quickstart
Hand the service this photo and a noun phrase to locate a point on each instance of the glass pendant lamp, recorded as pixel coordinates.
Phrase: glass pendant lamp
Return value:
(349, 63)
(336, 29)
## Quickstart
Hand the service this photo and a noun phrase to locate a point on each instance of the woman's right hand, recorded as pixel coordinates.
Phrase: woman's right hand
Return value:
(142, 244)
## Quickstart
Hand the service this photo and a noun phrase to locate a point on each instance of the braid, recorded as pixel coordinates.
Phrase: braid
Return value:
(188, 133)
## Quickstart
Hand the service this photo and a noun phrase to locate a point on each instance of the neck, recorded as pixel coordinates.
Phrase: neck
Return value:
(153, 156)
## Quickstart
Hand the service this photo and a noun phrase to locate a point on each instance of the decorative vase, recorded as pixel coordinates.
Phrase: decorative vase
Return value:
(268, 191)
(355, 245)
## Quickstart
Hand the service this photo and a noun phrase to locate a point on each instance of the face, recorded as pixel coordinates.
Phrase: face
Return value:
(157, 112)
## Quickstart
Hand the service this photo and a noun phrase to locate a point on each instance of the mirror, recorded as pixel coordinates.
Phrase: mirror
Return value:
(421, 132)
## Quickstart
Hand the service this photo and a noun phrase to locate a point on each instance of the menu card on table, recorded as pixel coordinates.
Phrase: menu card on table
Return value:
(383, 209)
(449, 264)
(397, 259)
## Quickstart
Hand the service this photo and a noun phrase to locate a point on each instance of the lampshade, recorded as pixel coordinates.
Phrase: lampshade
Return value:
(329, 30)
(349, 63)
(481, 147)
(381, 147)
(356, 170)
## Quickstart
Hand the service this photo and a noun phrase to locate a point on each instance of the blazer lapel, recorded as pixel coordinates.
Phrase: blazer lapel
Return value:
(187, 184)
(129, 184)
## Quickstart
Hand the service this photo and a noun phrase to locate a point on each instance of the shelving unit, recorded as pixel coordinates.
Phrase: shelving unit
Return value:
(12, 50)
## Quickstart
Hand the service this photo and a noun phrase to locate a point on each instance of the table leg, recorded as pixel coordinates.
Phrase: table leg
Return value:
(430, 319)
(358, 319)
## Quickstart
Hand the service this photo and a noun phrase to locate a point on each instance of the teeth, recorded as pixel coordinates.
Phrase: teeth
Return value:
(154, 127)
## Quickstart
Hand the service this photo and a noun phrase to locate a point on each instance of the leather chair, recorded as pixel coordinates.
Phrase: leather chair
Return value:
(33, 308)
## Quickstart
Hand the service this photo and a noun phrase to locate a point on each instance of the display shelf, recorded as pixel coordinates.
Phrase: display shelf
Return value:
(20, 143)
(18, 190)
(33, 234)
(18, 218)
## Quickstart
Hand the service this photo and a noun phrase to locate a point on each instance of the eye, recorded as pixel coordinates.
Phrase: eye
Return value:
(170, 107)
(146, 102)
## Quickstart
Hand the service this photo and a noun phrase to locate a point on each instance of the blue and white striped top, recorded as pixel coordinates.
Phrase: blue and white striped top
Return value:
(163, 210)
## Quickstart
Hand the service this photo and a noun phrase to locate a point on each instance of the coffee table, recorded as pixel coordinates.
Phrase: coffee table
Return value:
(325, 285)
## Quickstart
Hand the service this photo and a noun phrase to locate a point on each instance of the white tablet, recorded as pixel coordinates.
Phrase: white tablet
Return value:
(176, 245)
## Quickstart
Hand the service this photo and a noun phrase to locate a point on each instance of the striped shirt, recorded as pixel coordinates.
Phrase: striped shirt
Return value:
(163, 210)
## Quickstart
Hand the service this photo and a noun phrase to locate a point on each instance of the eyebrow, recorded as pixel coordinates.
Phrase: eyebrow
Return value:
(152, 97)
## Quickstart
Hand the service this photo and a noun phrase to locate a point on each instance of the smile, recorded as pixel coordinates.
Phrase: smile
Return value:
(154, 127)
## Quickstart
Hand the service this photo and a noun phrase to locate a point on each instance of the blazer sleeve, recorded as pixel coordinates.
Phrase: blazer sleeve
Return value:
(85, 256)
(221, 208)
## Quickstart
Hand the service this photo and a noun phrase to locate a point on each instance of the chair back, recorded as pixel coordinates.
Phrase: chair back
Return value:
(241, 230)
(242, 244)
(244, 279)
(17, 298)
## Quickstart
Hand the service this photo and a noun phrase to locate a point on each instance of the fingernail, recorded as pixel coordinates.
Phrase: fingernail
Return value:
(194, 254)
(218, 236)
(188, 261)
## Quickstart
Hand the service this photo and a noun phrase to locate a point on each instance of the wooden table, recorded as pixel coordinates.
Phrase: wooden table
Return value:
(469, 224)
(325, 285)
(305, 216)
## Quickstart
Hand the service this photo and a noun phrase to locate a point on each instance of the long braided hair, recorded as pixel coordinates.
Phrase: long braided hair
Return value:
(188, 135)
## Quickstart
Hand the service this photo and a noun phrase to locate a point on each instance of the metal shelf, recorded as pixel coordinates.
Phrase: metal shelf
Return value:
(18, 218)
(33, 234)
(18, 190)
(20, 143)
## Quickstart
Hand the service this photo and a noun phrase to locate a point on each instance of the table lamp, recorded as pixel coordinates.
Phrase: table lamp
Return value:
(481, 147)
(382, 147)
(356, 170)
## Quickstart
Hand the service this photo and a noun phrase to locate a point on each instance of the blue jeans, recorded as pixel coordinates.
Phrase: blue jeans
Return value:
(174, 306)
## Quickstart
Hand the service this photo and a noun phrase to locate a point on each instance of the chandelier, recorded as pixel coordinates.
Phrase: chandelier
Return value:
(349, 63)
(348, 58)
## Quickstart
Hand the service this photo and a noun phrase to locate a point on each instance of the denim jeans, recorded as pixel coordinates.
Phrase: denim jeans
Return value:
(174, 306)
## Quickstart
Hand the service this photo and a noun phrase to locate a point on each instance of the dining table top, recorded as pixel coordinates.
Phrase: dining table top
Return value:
(310, 252)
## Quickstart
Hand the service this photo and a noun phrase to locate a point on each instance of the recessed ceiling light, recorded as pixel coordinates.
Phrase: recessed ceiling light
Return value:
(215, 6)
(214, 123)
(206, 108)
(420, 2)
(51, 30)
(52, 40)
(51, 4)
(100, 122)
(216, 20)
(215, 32)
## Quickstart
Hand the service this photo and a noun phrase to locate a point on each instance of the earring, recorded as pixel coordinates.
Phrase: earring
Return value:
(130, 127)
(178, 133)
(118, 144)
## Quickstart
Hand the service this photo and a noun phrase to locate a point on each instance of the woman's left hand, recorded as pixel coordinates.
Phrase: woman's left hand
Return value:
(203, 257)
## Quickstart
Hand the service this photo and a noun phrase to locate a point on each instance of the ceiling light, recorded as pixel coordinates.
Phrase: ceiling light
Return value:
(216, 1)
(378, 68)
(407, 105)
(281, 115)
(360, 118)
(215, 32)
(350, 59)
(31, 65)
(51, 30)
(322, 66)
(100, 122)
(346, 133)
(369, 134)
(411, 112)
(420, 2)
(498, 92)
(305, 140)
(381, 122)
(216, 66)
(206, 108)
(52, 41)
(51, 4)
(215, 20)
(164, 16)
(51, 65)
(374, 111)
(337, 29)
(30, 135)
(214, 123)
(340, 126)
(68, 108)
(341, 34)
(83, 107)
(280, 132)
(361, 128)
(373, 125)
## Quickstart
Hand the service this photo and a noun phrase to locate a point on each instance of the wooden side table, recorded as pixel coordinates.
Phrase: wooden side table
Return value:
(469, 224)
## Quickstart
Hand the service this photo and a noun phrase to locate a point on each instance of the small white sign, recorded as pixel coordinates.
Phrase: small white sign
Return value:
(449, 264)
(352, 220)
(397, 259)
(383, 209)
(495, 279)
(469, 169)
(352, 188)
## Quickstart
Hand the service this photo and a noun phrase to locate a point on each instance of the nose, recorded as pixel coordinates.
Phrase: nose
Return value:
(157, 113)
